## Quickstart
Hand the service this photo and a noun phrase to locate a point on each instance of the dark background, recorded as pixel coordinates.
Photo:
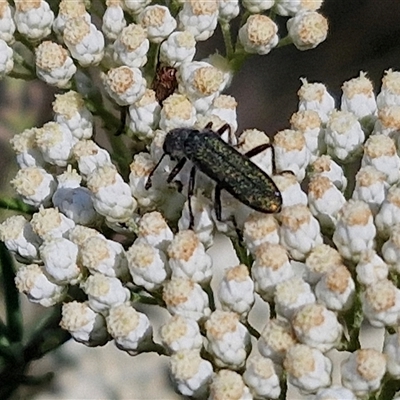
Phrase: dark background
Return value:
(363, 35)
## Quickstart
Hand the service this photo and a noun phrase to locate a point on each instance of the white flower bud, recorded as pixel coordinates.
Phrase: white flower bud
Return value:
(371, 187)
(201, 83)
(227, 384)
(179, 47)
(250, 139)
(7, 24)
(188, 259)
(363, 371)
(53, 64)
(358, 97)
(84, 325)
(291, 295)
(105, 292)
(307, 29)
(325, 201)
(190, 373)
(228, 10)
(391, 350)
(388, 122)
(186, 298)
(336, 289)
(271, 266)
(258, 6)
(70, 111)
(321, 260)
(18, 236)
(148, 265)
(34, 185)
(135, 6)
(228, 339)
(391, 248)
(325, 166)
(6, 59)
(335, 393)
(261, 377)
(113, 19)
(291, 191)
(124, 85)
(180, 333)
(31, 280)
(299, 231)
(344, 135)
(258, 229)
(199, 17)
(307, 368)
(390, 92)
(158, 22)
(79, 234)
(293, 7)
(389, 212)
(111, 195)
(203, 219)
(68, 10)
(49, 223)
(276, 338)
(33, 19)
(104, 256)
(130, 329)
(317, 327)
(74, 201)
(355, 230)
(60, 257)
(131, 46)
(259, 34)
(381, 304)
(84, 41)
(224, 107)
(25, 146)
(177, 112)
(144, 115)
(55, 142)
(155, 231)
(90, 157)
(236, 291)
(371, 268)
(380, 152)
(140, 169)
(309, 124)
(291, 152)
(314, 96)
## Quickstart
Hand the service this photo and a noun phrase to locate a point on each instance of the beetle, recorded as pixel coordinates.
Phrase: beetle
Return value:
(165, 82)
(230, 169)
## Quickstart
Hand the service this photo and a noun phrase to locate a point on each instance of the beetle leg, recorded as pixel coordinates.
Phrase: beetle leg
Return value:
(175, 171)
(217, 202)
(122, 120)
(261, 148)
(223, 129)
(208, 126)
(190, 194)
(149, 183)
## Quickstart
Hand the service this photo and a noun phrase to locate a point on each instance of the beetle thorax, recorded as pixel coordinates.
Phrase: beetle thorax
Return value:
(174, 143)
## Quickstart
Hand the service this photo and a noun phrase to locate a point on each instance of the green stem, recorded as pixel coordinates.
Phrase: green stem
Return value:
(11, 294)
(285, 41)
(226, 33)
(16, 205)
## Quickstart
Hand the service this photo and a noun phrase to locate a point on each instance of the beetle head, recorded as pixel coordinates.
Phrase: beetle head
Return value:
(174, 143)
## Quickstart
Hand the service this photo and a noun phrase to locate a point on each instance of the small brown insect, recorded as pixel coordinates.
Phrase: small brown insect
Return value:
(165, 82)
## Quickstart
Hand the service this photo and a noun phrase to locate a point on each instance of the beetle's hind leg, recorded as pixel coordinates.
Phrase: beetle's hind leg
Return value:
(192, 180)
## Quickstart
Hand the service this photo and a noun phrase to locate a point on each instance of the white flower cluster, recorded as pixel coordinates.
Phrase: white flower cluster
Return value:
(80, 196)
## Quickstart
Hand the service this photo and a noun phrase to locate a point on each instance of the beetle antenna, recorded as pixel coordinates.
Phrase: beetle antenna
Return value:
(149, 183)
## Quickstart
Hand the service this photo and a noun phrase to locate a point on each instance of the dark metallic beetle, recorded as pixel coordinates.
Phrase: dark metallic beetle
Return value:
(231, 170)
